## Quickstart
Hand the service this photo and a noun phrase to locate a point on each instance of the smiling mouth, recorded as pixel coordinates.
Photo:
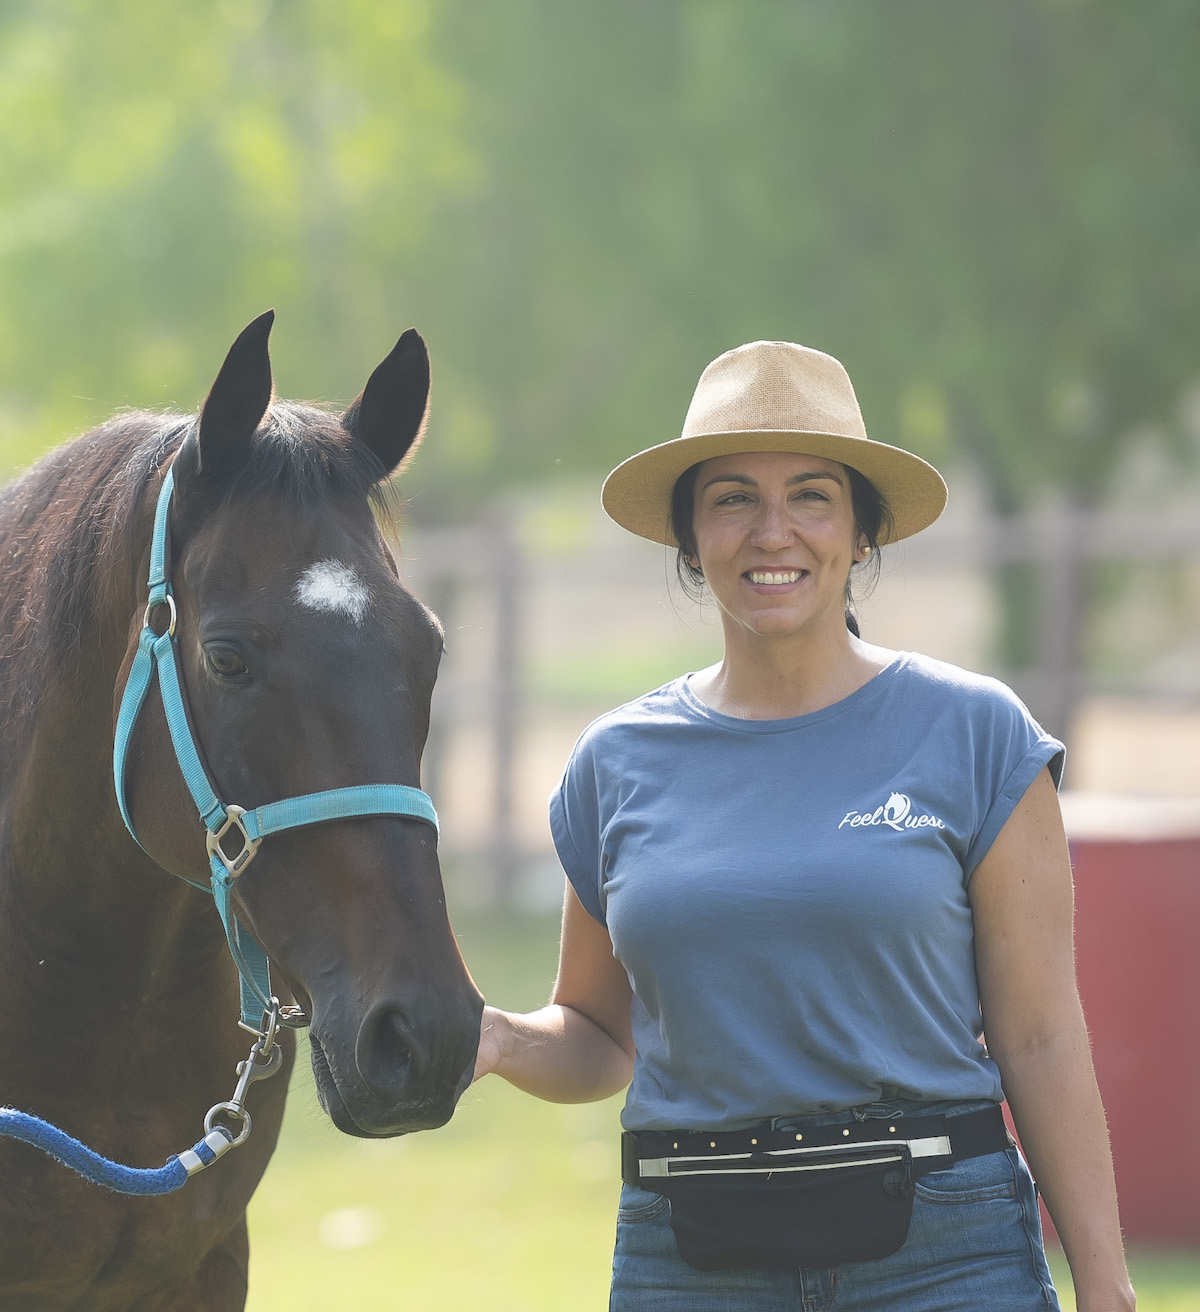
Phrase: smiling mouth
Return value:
(772, 578)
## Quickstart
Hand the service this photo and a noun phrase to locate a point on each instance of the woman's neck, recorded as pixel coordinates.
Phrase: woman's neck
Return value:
(765, 679)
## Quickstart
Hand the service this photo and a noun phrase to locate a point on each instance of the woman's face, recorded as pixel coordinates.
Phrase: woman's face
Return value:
(776, 536)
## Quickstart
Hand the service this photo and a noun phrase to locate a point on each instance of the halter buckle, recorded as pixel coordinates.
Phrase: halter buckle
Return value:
(236, 863)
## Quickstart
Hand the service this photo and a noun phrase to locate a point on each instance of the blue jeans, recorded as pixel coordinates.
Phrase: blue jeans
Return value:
(975, 1244)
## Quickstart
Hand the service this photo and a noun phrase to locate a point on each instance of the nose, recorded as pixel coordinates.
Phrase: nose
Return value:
(773, 528)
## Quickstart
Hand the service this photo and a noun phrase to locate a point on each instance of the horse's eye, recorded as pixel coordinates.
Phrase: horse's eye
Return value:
(225, 662)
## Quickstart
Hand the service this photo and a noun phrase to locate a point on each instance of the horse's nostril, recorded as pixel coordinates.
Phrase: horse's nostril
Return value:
(390, 1048)
(385, 1054)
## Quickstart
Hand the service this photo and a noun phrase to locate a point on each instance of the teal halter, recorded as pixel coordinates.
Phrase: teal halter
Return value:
(156, 653)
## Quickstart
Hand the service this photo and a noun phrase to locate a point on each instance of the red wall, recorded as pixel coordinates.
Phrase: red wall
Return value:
(1138, 952)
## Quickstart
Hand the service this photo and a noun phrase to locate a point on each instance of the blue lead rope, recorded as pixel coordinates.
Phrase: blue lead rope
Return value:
(112, 1175)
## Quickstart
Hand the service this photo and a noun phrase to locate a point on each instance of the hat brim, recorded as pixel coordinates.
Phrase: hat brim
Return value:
(637, 494)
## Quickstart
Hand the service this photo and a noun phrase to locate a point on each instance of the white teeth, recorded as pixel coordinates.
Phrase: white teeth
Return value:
(762, 576)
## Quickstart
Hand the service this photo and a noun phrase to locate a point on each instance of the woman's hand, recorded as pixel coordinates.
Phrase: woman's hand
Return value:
(488, 1057)
(580, 1047)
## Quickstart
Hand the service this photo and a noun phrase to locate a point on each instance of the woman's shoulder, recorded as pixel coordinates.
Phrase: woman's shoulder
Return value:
(933, 688)
(972, 715)
(941, 679)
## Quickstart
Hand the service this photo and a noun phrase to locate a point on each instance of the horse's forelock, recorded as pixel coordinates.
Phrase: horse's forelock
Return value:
(302, 453)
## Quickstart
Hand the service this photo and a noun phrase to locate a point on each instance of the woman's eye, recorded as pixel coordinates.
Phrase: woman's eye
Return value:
(225, 662)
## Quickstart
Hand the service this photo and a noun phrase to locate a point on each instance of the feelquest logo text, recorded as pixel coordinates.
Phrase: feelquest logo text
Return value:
(896, 813)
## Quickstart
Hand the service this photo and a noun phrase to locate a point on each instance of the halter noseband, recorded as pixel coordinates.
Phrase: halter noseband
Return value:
(156, 654)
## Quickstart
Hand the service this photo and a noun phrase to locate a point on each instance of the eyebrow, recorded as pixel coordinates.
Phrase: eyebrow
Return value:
(750, 482)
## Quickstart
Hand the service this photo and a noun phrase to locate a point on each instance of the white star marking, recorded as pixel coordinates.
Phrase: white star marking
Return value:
(334, 589)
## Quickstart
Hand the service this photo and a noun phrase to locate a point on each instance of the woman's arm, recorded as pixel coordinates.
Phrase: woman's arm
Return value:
(1022, 899)
(580, 1047)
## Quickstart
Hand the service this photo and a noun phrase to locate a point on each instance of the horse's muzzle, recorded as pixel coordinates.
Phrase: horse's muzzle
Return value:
(398, 1077)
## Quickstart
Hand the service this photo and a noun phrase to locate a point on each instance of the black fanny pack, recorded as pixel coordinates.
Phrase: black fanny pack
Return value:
(815, 1198)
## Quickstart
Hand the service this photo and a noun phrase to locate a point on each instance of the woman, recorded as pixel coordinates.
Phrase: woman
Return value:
(801, 884)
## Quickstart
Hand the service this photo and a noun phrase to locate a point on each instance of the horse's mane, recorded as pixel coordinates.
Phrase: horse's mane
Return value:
(70, 529)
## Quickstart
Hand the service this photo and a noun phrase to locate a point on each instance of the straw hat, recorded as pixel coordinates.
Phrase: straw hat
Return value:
(772, 396)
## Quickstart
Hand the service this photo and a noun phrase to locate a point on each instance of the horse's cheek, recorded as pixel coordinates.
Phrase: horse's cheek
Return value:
(164, 816)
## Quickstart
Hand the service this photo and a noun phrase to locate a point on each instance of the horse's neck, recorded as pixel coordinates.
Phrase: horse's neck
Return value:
(85, 912)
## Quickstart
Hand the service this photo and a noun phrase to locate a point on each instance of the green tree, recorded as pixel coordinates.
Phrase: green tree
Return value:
(167, 171)
(987, 211)
(996, 202)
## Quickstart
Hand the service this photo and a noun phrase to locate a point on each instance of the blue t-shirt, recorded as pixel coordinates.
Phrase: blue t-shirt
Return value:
(789, 897)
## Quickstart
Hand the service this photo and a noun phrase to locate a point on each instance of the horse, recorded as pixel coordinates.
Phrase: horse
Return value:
(306, 667)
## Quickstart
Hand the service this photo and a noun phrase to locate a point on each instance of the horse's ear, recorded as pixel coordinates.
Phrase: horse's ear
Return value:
(238, 398)
(389, 414)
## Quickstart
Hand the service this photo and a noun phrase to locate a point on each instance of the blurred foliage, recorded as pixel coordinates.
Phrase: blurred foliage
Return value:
(169, 170)
(987, 211)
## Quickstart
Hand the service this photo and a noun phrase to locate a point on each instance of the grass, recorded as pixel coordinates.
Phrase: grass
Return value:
(509, 1208)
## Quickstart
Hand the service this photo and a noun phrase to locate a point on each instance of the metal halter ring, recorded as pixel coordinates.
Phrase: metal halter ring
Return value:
(167, 601)
(233, 820)
(229, 1109)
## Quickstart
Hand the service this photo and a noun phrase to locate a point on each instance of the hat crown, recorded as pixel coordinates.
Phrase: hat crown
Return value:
(774, 387)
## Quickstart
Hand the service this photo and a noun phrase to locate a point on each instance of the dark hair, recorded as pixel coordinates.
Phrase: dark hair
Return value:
(872, 518)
